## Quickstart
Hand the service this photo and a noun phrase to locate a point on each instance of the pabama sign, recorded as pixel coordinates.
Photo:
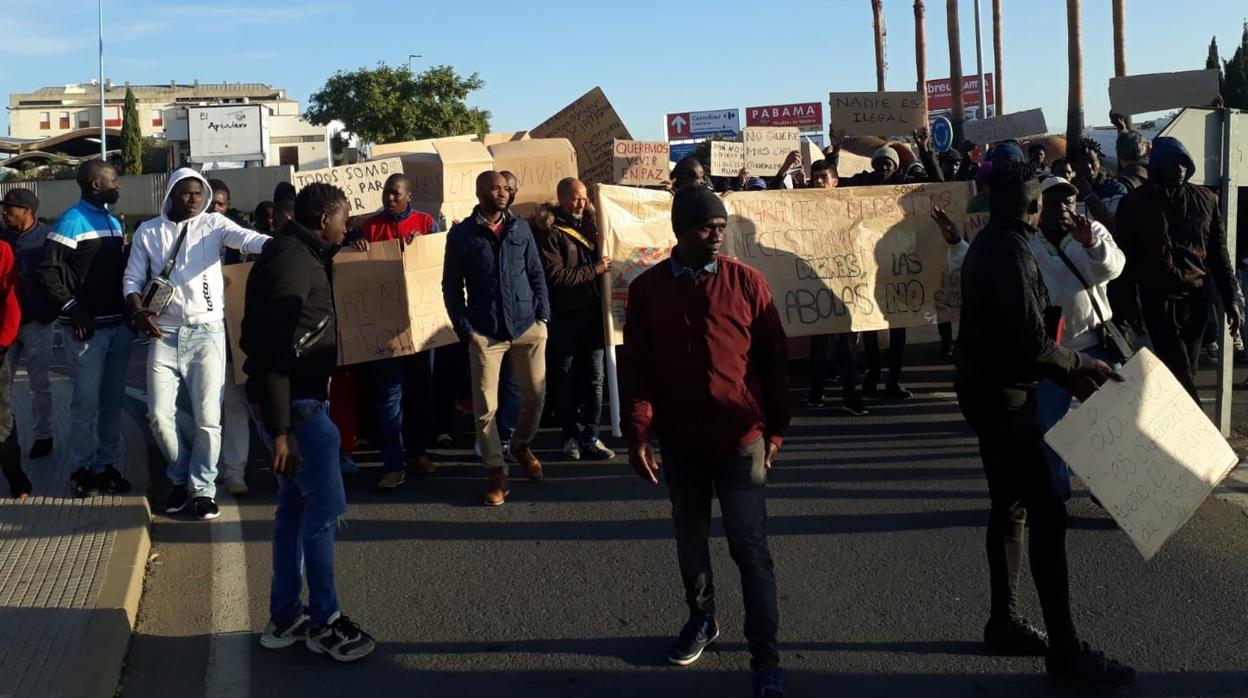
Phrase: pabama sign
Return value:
(803, 115)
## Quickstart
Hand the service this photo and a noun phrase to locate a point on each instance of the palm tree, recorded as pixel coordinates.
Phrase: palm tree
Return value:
(877, 11)
(955, 68)
(1120, 38)
(920, 50)
(998, 59)
(1074, 47)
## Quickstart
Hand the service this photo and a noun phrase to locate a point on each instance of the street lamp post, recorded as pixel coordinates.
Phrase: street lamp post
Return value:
(410, 56)
(103, 131)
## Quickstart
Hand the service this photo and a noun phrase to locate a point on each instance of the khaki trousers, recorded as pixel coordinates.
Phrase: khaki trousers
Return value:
(527, 354)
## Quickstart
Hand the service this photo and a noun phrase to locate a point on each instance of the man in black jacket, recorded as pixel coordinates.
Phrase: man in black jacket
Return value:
(1003, 351)
(572, 256)
(290, 337)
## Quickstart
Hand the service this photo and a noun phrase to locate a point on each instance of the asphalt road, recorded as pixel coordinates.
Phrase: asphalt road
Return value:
(571, 588)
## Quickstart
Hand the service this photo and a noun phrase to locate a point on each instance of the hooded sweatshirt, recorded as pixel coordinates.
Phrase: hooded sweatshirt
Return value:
(1174, 239)
(199, 289)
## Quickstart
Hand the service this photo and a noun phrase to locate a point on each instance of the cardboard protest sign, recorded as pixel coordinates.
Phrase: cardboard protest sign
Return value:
(444, 182)
(636, 230)
(389, 300)
(504, 137)
(727, 158)
(765, 148)
(591, 123)
(1137, 94)
(849, 164)
(876, 113)
(1146, 450)
(424, 145)
(640, 163)
(362, 182)
(811, 153)
(538, 165)
(1017, 125)
(863, 258)
(235, 301)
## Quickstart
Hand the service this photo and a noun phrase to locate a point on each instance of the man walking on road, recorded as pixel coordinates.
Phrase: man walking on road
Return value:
(702, 369)
(572, 255)
(290, 338)
(27, 235)
(1003, 351)
(186, 358)
(80, 275)
(493, 256)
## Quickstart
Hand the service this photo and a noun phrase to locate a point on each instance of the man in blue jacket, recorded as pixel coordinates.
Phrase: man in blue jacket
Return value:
(504, 315)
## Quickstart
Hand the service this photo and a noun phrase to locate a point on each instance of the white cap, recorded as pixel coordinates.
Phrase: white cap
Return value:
(1052, 182)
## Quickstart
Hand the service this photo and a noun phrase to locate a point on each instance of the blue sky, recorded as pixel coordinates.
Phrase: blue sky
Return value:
(650, 57)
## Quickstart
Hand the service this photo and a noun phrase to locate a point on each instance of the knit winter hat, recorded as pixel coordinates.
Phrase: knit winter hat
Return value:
(887, 153)
(694, 205)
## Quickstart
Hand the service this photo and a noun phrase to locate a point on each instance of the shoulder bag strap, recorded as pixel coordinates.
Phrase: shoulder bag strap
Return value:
(173, 257)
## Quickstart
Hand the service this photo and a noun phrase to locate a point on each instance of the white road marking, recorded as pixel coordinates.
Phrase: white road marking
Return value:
(229, 653)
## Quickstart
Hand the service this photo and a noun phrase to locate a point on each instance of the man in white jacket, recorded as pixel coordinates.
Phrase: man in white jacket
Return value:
(1091, 249)
(186, 358)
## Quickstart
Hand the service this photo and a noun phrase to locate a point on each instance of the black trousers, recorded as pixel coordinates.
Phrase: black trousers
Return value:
(1176, 326)
(1020, 487)
(828, 349)
(10, 451)
(896, 351)
(739, 480)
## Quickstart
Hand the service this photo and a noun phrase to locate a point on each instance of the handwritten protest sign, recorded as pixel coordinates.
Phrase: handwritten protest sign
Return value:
(591, 123)
(765, 148)
(876, 113)
(640, 163)
(362, 182)
(865, 258)
(1146, 450)
(444, 182)
(370, 297)
(430, 327)
(1017, 125)
(235, 299)
(538, 165)
(811, 153)
(727, 158)
(1137, 94)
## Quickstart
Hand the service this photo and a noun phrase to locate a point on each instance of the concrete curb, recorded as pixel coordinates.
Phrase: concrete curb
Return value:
(101, 653)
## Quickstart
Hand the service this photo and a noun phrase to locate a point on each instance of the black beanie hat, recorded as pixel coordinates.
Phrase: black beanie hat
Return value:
(695, 205)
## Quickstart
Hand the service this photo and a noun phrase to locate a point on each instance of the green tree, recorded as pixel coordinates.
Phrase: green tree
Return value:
(1235, 84)
(131, 137)
(1214, 62)
(387, 104)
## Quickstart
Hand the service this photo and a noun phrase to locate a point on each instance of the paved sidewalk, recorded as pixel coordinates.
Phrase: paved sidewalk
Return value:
(71, 570)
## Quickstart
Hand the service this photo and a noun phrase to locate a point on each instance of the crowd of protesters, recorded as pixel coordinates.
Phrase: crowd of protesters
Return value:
(1075, 269)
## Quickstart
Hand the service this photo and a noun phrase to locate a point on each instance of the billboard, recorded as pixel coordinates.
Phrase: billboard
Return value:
(806, 115)
(690, 125)
(940, 92)
(228, 133)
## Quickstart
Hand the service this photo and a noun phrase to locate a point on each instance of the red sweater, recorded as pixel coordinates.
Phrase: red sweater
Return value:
(10, 311)
(703, 361)
(383, 226)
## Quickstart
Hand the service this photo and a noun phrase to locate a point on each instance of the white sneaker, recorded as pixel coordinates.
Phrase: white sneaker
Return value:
(572, 449)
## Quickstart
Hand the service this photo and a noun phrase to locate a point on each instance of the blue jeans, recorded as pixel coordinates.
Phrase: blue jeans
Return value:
(404, 396)
(97, 368)
(309, 504)
(186, 378)
(579, 351)
(1052, 403)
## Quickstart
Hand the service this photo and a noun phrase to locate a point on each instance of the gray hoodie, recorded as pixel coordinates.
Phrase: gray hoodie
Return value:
(199, 288)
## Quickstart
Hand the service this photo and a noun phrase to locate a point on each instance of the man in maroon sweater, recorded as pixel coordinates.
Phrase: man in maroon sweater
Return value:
(703, 369)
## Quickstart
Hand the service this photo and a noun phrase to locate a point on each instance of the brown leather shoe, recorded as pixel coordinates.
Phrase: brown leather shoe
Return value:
(421, 465)
(528, 461)
(499, 489)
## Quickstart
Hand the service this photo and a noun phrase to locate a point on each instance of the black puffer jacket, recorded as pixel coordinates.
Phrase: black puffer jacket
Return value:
(1002, 342)
(290, 330)
(568, 261)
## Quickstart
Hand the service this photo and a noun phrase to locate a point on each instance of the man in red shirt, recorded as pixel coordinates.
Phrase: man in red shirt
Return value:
(404, 384)
(703, 369)
(10, 321)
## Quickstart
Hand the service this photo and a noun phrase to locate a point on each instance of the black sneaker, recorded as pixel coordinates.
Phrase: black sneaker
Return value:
(1015, 638)
(1086, 666)
(41, 448)
(854, 406)
(205, 508)
(895, 391)
(278, 635)
(84, 483)
(768, 683)
(340, 639)
(178, 499)
(696, 636)
(111, 482)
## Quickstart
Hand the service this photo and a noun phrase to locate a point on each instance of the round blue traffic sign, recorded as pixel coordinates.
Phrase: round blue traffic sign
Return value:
(942, 134)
